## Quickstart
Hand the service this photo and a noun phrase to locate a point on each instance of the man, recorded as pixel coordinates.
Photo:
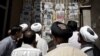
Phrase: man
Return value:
(41, 43)
(61, 34)
(28, 48)
(9, 43)
(24, 27)
(87, 39)
(73, 40)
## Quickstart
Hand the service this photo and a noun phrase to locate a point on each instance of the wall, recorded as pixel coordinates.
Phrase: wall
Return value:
(15, 13)
(95, 21)
(87, 17)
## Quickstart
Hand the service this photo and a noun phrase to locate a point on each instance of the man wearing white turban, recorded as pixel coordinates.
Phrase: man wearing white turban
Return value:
(24, 26)
(87, 39)
(41, 43)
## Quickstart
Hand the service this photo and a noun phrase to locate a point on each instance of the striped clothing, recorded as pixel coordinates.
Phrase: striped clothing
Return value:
(26, 50)
(65, 50)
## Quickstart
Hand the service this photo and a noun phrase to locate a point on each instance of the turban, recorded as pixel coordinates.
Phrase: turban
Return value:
(36, 27)
(24, 26)
(88, 34)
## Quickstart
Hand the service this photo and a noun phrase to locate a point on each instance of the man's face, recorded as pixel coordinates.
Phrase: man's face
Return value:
(18, 35)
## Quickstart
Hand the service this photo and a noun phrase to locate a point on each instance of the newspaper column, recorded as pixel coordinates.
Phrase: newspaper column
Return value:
(60, 13)
(48, 12)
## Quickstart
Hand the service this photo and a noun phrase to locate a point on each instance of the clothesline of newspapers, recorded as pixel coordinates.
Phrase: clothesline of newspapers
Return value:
(58, 12)
(48, 12)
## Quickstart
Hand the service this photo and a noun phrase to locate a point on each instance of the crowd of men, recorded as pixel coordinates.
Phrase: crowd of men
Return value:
(25, 40)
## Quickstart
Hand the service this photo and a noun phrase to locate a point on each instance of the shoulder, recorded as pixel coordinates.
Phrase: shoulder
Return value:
(16, 50)
(41, 40)
(76, 32)
(79, 52)
(25, 51)
(5, 40)
(37, 50)
(66, 51)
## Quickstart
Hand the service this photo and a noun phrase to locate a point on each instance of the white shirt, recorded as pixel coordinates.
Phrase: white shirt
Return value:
(73, 41)
(41, 44)
(26, 50)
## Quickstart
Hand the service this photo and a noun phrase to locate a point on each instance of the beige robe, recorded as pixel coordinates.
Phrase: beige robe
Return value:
(65, 50)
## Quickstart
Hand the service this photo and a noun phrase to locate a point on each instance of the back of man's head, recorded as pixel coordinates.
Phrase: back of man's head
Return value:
(72, 25)
(60, 30)
(88, 34)
(36, 27)
(15, 29)
(29, 37)
(24, 26)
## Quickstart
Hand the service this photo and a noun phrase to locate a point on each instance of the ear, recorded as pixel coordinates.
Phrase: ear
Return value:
(55, 40)
(80, 39)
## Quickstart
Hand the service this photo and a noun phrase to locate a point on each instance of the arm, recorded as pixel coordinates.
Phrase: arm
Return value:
(44, 47)
(3, 46)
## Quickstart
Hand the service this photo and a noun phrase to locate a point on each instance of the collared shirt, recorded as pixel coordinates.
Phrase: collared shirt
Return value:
(73, 41)
(65, 49)
(6, 46)
(26, 50)
(62, 45)
(41, 44)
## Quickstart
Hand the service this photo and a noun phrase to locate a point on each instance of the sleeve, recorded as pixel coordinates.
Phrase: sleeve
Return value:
(3, 46)
(44, 47)
(13, 53)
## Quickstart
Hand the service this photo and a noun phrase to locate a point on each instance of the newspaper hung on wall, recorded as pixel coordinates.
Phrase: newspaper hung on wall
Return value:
(48, 8)
(60, 13)
(59, 7)
(48, 13)
(73, 11)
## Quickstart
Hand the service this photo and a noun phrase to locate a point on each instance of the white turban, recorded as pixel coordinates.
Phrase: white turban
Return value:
(88, 37)
(24, 26)
(36, 27)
